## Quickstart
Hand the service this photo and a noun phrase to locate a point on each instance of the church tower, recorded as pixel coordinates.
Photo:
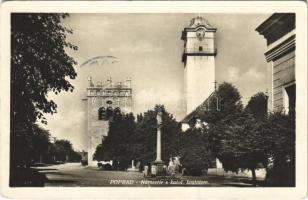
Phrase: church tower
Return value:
(199, 62)
(103, 98)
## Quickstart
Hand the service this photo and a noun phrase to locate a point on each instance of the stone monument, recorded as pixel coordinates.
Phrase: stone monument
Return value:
(159, 164)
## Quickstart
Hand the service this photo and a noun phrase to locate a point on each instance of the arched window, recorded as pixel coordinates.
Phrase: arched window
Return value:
(102, 113)
(117, 112)
(109, 112)
(214, 103)
(218, 106)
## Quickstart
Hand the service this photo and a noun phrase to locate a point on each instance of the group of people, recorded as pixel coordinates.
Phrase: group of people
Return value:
(174, 167)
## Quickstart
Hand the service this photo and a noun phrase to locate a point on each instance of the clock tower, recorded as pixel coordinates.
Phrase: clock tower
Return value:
(199, 62)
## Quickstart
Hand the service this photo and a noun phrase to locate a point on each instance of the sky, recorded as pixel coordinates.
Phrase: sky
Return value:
(148, 48)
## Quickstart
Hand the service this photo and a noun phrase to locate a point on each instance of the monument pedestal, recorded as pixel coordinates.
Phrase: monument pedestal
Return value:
(159, 168)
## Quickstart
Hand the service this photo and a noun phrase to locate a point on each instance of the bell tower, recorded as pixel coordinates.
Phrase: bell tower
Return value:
(199, 62)
(105, 101)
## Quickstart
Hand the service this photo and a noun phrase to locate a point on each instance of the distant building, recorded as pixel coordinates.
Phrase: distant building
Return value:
(84, 157)
(279, 32)
(103, 97)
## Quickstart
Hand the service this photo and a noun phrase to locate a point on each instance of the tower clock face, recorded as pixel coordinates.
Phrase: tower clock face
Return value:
(200, 34)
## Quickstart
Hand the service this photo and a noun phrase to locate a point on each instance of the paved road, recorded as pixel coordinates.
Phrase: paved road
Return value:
(73, 174)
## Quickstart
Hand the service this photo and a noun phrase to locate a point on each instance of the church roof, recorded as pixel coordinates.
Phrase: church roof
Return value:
(204, 106)
(200, 21)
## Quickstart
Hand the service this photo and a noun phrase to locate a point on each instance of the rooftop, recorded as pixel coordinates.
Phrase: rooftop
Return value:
(204, 106)
(276, 26)
(200, 21)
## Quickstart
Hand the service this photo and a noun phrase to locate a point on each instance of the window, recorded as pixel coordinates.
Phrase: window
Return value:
(102, 113)
(200, 48)
(289, 98)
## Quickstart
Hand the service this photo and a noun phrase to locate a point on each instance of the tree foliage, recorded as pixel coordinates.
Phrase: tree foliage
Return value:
(195, 151)
(230, 108)
(249, 138)
(40, 142)
(243, 145)
(64, 151)
(230, 105)
(240, 138)
(257, 105)
(40, 148)
(280, 148)
(129, 140)
(39, 65)
(117, 146)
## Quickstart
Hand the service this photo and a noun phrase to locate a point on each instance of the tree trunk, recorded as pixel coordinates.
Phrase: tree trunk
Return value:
(254, 178)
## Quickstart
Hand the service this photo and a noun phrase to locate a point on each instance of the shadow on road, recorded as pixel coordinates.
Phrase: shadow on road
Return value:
(26, 177)
(235, 185)
(60, 181)
(46, 169)
(57, 173)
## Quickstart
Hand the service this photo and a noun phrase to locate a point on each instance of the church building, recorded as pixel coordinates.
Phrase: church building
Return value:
(102, 102)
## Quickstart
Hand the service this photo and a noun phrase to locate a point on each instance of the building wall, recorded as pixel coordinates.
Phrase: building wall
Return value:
(283, 74)
(270, 87)
(199, 60)
(193, 43)
(96, 128)
(200, 78)
(279, 32)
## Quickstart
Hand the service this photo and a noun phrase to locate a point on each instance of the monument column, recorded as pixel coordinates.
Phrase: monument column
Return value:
(158, 143)
(158, 167)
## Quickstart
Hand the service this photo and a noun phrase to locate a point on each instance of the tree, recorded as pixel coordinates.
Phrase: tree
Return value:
(280, 148)
(230, 105)
(194, 151)
(230, 108)
(75, 157)
(129, 140)
(235, 137)
(64, 149)
(116, 146)
(249, 138)
(144, 138)
(257, 105)
(243, 145)
(39, 65)
(40, 143)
